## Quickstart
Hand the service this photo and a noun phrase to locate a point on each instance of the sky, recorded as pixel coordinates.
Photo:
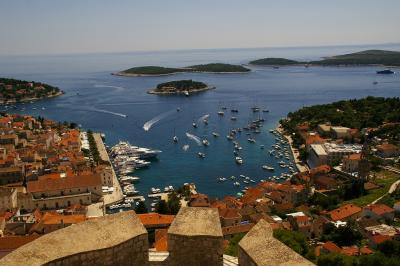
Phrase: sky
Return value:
(86, 26)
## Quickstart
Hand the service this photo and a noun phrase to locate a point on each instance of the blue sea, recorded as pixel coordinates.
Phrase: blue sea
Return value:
(97, 100)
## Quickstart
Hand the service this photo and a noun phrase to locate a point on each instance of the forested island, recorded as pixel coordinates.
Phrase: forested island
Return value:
(159, 71)
(185, 87)
(13, 90)
(368, 57)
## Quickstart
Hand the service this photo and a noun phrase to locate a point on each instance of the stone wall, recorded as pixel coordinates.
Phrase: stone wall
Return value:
(195, 238)
(118, 239)
(259, 248)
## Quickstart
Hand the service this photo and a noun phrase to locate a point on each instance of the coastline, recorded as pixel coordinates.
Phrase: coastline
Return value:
(153, 91)
(322, 65)
(33, 99)
(300, 165)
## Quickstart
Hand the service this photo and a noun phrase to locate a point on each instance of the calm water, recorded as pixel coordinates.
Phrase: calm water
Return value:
(95, 99)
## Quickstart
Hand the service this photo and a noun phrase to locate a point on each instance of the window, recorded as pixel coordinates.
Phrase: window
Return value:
(56, 205)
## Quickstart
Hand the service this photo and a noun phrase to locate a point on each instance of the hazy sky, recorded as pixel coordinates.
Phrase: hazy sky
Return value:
(75, 26)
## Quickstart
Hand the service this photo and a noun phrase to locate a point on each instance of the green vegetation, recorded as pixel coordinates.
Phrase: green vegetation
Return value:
(172, 206)
(218, 67)
(362, 113)
(158, 70)
(151, 70)
(94, 152)
(141, 208)
(179, 86)
(20, 90)
(295, 240)
(385, 181)
(368, 57)
(347, 235)
(232, 248)
(271, 61)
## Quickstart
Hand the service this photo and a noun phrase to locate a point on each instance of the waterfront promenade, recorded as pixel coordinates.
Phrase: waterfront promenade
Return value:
(116, 195)
(301, 167)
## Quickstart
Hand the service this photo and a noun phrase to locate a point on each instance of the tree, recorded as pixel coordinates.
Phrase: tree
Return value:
(141, 208)
(162, 207)
(295, 240)
(174, 203)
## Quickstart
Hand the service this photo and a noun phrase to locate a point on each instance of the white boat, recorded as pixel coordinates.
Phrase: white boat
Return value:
(222, 179)
(169, 189)
(175, 139)
(239, 160)
(251, 140)
(233, 177)
(155, 190)
(129, 179)
(215, 134)
(267, 167)
(194, 125)
(186, 93)
(236, 184)
(221, 113)
(229, 137)
(201, 155)
(205, 142)
(233, 118)
(242, 176)
(245, 181)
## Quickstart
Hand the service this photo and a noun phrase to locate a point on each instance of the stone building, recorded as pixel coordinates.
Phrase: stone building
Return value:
(8, 198)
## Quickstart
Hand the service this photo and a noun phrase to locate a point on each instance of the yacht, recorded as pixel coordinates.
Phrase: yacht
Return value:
(215, 134)
(201, 155)
(221, 113)
(129, 179)
(251, 140)
(239, 160)
(221, 179)
(236, 183)
(229, 137)
(205, 142)
(267, 167)
(175, 139)
(194, 125)
(233, 118)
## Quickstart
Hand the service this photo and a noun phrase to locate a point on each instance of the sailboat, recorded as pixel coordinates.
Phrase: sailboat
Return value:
(175, 138)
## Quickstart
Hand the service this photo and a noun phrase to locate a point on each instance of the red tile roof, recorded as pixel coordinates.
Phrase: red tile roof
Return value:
(161, 240)
(13, 242)
(64, 183)
(236, 229)
(377, 239)
(155, 218)
(344, 212)
(229, 213)
(350, 251)
(331, 247)
(379, 209)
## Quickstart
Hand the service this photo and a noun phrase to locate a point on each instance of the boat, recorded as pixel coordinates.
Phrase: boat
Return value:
(205, 121)
(251, 140)
(178, 109)
(223, 108)
(234, 110)
(267, 167)
(194, 125)
(222, 179)
(155, 190)
(375, 82)
(175, 139)
(186, 93)
(255, 109)
(205, 142)
(201, 155)
(215, 134)
(262, 147)
(221, 113)
(233, 177)
(129, 179)
(169, 189)
(242, 176)
(245, 181)
(239, 160)
(236, 183)
(265, 111)
(386, 71)
(233, 118)
(229, 137)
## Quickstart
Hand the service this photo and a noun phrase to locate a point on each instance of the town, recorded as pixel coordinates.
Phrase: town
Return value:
(342, 204)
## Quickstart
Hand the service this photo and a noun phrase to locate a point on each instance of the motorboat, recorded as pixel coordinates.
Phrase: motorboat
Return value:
(267, 167)
(239, 160)
(221, 113)
(251, 140)
(194, 125)
(236, 183)
(215, 134)
(205, 142)
(201, 155)
(175, 139)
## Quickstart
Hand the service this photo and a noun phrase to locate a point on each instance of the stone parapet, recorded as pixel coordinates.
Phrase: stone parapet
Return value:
(260, 248)
(118, 239)
(195, 238)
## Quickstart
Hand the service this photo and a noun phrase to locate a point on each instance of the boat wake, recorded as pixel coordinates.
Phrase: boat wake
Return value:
(109, 86)
(151, 122)
(108, 112)
(185, 147)
(194, 138)
(204, 117)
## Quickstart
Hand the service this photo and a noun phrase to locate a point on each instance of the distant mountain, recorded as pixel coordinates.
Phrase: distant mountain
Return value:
(368, 57)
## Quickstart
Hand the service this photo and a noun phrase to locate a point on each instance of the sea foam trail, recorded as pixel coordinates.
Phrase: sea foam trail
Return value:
(108, 112)
(203, 117)
(109, 86)
(194, 138)
(151, 122)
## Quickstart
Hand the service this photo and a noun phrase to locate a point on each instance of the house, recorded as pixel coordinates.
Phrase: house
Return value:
(350, 162)
(229, 217)
(325, 182)
(300, 222)
(230, 231)
(379, 211)
(340, 132)
(388, 150)
(52, 221)
(199, 200)
(154, 220)
(330, 247)
(8, 198)
(380, 233)
(345, 213)
(324, 129)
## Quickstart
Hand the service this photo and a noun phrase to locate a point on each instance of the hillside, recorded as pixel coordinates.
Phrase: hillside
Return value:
(180, 87)
(218, 67)
(13, 90)
(271, 61)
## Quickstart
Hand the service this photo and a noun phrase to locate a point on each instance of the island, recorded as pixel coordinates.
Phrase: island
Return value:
(185, 87)
(368, 57)
(13, 91)
(160, 71)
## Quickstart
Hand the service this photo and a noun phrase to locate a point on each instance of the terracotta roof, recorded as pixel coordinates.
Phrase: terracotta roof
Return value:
(331, 247)
(229, 213)
(377, 239)
(350, 251)
(365, 251)
(161, 240)
(354, 157)
(155, 218)
(55, 218)
(320, 169)
(13, 242)
(64, 183)
(379, 209)
(314, 138)
(236, 229)
(344, 212)
(387, 147)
